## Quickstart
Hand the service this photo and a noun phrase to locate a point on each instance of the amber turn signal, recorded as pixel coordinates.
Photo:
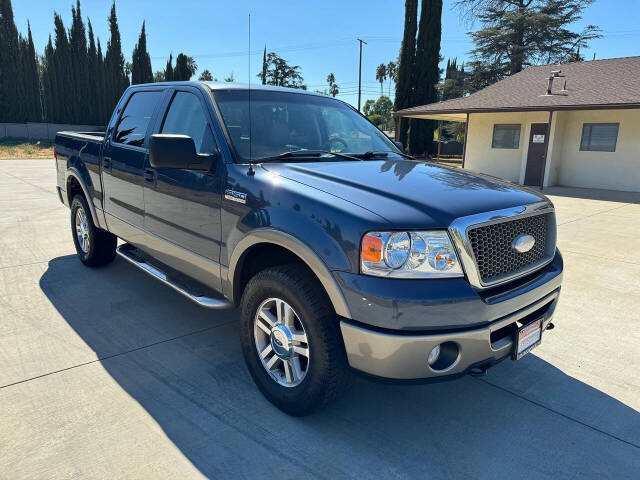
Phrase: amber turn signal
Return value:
(371, 249)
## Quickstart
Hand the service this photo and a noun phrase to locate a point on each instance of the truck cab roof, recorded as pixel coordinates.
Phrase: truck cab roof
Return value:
(233, 86)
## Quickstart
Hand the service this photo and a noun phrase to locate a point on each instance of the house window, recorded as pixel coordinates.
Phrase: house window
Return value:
(506, 136)
(599, 137)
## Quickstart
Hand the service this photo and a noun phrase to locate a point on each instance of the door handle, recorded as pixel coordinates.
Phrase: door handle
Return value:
(106, 163)
(150, 176)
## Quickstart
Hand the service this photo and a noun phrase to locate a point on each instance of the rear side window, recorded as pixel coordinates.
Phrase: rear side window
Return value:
(133, 123)
(506, 136)
(186, 117)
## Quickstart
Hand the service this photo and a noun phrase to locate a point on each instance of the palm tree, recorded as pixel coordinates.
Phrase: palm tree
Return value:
(381, 75)
(333, 86)
(392, 73)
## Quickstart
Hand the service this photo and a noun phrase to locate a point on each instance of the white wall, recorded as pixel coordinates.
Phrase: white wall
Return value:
(619, 170)
(501, 162)
(566, 164)
(41, 131)
(554, 155)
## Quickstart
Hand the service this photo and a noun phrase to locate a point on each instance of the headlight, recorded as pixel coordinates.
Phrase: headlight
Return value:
(426, 254)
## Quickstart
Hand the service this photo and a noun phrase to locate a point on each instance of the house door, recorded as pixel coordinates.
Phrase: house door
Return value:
(534, 173)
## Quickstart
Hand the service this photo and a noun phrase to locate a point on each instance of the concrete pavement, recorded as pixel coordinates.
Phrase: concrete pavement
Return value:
(109, 374)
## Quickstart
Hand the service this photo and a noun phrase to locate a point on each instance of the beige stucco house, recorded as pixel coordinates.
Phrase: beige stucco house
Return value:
(575, 124)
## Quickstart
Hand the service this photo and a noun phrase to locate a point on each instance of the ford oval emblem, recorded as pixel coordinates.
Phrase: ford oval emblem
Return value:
(523, 243)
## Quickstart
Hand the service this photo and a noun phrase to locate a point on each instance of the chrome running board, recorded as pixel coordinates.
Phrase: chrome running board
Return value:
(192, 289)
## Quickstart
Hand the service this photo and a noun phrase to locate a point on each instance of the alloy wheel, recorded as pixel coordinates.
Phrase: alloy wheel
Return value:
(82, 230)
(281, 342)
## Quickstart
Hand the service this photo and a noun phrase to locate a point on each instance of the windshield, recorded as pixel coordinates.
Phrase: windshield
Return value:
(287, 122)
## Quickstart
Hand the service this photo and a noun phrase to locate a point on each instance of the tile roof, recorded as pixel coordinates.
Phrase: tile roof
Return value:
(593, 84)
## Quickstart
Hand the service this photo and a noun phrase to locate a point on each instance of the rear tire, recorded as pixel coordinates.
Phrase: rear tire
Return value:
(95, 247)
(321, 372)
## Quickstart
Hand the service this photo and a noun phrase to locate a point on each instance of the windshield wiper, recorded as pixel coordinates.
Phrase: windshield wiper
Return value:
(369, 155)
(304, 153)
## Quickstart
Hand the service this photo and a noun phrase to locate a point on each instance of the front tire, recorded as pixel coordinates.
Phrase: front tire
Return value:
(291, 340)
(95, 247)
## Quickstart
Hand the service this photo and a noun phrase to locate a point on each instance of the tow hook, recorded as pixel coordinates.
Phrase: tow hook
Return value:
(478, 371)
(550, 326)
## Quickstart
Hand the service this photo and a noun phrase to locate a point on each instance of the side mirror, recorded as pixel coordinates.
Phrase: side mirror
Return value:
(399, 145)
(177, 151)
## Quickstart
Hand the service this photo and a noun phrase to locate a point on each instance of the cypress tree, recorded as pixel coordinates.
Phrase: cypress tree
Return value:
(94, 74)
(140, 61)
(47, 81)
(10, 68)
(405, 66)
(168, 70)
(32, 81)
(80, 67)
(28, 72)
(263, 76)
(426, 74)
(116, 77)
(63, 110)
(103, 115)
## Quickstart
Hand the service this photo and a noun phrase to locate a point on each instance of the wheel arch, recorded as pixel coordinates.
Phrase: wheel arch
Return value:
(297, 248)
(76, 184)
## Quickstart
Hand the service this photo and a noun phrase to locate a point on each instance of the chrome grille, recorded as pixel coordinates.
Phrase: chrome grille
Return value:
(492, 247)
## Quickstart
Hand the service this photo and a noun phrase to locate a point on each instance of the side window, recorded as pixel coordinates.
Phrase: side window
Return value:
(506, 136)
(186, 117)
(133, 123)
(599, 137)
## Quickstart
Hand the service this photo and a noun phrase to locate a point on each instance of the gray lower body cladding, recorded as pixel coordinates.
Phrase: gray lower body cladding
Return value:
(392, 335)
(404, 356)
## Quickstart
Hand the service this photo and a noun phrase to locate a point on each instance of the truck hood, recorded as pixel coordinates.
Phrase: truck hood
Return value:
(406, 193)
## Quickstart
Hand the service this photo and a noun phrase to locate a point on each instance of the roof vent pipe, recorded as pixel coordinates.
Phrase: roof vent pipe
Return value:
(554, 74)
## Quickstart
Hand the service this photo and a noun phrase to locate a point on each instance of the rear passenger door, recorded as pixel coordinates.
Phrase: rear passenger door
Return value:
(182, 206)
(123, 160)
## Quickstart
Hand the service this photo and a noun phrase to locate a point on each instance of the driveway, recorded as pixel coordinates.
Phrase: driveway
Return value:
(108, 373)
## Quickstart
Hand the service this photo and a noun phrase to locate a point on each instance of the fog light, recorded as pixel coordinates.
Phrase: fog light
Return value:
(433, 355)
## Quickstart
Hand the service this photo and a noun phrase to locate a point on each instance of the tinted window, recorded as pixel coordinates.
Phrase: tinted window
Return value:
(134, 121)
(599, 137)
(186, 117)
(506, 136)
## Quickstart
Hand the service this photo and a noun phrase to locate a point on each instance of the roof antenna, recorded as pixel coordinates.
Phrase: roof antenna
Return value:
(251, 171)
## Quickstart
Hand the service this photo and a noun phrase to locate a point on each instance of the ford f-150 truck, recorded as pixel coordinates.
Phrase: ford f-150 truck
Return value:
(344, 253)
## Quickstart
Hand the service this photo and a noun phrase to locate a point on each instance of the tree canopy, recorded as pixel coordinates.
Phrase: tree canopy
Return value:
(279, 73)
(514, 34)
(185, 68)
(206, 76)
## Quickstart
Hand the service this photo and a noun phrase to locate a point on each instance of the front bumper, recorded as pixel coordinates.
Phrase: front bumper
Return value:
(404, 357)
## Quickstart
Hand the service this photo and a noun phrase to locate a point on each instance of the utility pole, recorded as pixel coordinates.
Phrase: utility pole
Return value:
(360, 74)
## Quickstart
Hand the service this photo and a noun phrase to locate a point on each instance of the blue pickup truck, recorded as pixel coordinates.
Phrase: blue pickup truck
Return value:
(344, 254)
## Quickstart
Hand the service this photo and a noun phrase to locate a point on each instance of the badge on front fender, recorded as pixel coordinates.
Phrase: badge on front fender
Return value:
(235, 196)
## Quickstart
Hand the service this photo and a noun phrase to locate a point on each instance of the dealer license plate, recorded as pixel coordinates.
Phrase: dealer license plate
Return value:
(527, 338)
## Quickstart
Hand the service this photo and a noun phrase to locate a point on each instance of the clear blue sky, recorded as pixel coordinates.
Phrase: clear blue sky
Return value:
(320, 36)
